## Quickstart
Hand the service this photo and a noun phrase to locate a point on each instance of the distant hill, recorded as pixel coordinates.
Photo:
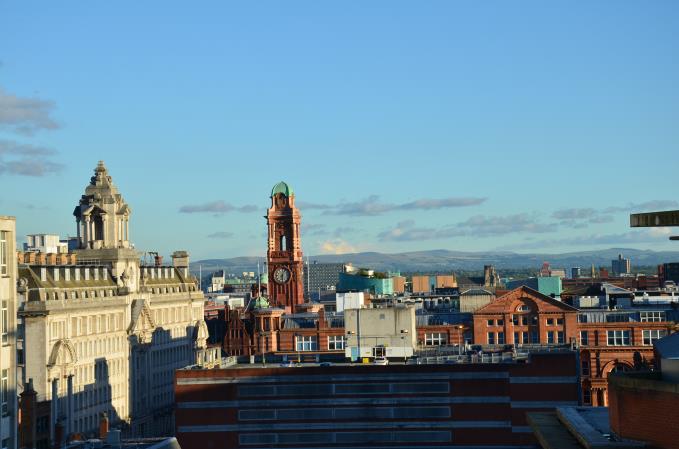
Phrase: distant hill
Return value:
(444, 260)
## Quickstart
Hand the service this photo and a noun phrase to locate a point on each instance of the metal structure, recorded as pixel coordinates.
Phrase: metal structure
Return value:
(655, 219)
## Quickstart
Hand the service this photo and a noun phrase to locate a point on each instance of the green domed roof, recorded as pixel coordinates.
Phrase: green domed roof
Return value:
(283, 188)
(261, 303)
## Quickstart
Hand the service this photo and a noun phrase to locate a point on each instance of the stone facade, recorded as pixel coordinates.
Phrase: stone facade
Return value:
(106, 333)
(8, 300)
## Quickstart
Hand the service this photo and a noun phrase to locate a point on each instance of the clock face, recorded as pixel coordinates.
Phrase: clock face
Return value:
(281, 275)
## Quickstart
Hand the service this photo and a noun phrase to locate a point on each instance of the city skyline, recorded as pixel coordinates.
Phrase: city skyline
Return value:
(400, 128)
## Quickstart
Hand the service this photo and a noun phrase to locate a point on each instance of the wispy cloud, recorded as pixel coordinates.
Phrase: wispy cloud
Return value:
(477, 226)
(648, 206)
(372, 206)
(653, 235)
(221, 235)
(311, 229)
(216, 207)
(578, 218)
(25, 115)
(27, 160)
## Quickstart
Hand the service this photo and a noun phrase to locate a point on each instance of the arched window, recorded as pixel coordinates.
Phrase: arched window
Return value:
(283, 243)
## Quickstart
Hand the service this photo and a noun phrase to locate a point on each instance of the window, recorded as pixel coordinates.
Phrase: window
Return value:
(435, 339)
(523, 308)
(515, 320)
(500, 322)
(500, 338)
(307, 343)
(335, 342)
(517, 339)
(550, 337)
(550, 321)
(524, 338)
(524, 321)
(584, 338)
(491, 338)
(652, 335)
(584, 367)
(5, 323)
(3, 252)
(4, 391)
(535, 337)
(618, 338)
(560, 337)
(650, 317)
(586, 396)
(491, 322)
(559, 321)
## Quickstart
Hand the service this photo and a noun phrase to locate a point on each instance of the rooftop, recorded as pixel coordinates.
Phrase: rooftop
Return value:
(577, 427)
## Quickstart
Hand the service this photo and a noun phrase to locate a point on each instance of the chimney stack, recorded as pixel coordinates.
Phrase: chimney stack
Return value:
(103, 426)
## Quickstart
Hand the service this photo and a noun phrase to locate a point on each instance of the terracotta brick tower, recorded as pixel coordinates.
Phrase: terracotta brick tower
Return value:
(284, 256)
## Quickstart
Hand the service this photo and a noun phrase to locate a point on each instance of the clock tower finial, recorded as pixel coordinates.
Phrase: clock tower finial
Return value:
(284, 255)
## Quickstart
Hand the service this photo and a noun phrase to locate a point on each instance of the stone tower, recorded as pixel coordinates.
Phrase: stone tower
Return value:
(103, 221)
(284, 255)
(102, 216)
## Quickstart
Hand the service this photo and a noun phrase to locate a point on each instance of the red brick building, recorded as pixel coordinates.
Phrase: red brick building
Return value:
(523, 316)
(359, 406)
(643, 406)
(608, 340)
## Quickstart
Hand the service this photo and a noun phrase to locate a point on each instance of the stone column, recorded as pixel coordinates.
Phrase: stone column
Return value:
(86, 235)
(54, 407)
(77, 221)
(104, 221)
(127, 229)
(69, 405)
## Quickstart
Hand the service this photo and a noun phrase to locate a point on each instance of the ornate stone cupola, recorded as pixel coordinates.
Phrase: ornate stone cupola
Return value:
(102, 216)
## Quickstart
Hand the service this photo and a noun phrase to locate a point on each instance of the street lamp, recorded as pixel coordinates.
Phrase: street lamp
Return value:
(459, 328)
(403, 345)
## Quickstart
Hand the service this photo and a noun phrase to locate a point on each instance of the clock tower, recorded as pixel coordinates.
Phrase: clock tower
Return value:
(284, 256)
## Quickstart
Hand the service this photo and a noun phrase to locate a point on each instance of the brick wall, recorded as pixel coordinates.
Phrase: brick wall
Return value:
(643, 408)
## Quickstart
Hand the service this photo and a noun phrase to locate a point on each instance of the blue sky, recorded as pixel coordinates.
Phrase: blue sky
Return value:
(524, 126)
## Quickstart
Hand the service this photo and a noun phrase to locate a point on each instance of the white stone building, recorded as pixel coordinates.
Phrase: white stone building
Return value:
(105, 334)
(8, 391)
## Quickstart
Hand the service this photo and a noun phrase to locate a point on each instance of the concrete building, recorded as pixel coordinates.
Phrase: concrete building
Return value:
(105, 332)
(360, 406)
(349, 300)
(366, 281)
(474, 298)
(321, 276)
(380, 332)
(45, 243)
(621, 266)
(669, 272)
(8, 353)
(547, 285)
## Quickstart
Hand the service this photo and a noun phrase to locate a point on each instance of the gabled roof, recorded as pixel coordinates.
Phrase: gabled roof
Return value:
(504, 303)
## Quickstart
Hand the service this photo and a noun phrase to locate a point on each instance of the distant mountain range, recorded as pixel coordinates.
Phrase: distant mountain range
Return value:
(444, 260)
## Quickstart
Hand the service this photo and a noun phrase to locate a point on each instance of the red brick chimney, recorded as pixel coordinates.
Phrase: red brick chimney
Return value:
(103, 426)
(58, 434)
(27, 419)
